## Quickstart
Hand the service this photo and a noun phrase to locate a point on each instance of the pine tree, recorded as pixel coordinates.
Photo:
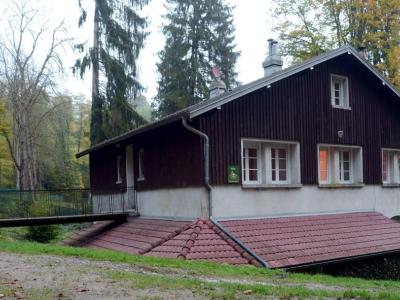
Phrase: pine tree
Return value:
(118, 36)
(199, 35)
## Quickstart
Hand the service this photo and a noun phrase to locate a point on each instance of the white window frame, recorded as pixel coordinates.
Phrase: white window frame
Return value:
(118, 162)
(141, 164)
(341, 166)
(293, 171)
(344, 91)
(245, 158)
(277, 180)
(393, 166)
(334, 177)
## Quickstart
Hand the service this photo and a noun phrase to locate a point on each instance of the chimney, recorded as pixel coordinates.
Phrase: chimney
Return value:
(273, 62)
(217, 86)
(362, 51)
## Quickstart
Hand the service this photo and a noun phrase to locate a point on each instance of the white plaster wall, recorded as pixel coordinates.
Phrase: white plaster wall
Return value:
(233, 201)
(183, 203)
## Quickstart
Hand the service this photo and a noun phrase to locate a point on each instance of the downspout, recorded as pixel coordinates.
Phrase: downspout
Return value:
(206, 158)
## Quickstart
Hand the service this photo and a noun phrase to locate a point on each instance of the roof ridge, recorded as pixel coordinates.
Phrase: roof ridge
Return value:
(195, 228)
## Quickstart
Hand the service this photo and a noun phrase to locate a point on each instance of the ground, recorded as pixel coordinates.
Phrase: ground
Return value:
(27, 276)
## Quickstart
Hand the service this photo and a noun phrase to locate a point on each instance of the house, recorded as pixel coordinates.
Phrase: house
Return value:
(312, 147)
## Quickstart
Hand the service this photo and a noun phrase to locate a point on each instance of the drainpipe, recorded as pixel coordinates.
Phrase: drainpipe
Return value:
(237, 241)
(206, 156)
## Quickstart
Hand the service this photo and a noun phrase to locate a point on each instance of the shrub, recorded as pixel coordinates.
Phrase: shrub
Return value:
(43, 233)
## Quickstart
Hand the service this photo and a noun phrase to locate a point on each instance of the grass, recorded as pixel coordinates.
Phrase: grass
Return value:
(280, 283)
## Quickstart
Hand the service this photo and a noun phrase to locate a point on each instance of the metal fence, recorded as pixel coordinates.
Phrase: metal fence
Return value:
(65, 202)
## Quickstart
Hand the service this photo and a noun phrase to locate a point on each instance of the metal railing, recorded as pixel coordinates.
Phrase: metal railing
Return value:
(66, 202)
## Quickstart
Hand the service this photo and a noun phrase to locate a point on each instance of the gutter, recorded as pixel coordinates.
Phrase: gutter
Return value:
(206, 156)
(237, 241)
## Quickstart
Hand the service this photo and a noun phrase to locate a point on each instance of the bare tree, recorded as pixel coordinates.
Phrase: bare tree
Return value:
(29, 60)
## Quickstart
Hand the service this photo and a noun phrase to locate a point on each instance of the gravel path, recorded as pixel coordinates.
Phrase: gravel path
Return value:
(52, 277)
(57, 277)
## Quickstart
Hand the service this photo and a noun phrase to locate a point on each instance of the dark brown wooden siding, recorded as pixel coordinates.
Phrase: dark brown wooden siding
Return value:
(172, 159)
(103, 169)
(299, 108)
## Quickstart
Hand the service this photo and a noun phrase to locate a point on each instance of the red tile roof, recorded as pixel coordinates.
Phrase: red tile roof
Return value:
(203, 241)
(138, 235)
(294, 241)
(281, 242)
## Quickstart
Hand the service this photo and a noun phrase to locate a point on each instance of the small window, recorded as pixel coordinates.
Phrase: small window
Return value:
(391, 166)
(279, 164)
(251, 164)
(339, 91)
(270, 163)
(340, 164)
(324, 165)
(119, 181)
(141, 164)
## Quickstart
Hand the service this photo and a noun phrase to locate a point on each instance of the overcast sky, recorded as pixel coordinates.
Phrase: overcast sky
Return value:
(251, 19)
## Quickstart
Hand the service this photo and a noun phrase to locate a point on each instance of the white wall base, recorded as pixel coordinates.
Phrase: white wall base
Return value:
(113, 202)
(183, 203)
(233, 201)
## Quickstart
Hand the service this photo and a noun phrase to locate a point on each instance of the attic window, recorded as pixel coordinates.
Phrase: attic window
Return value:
(390, 166)
(339, 91)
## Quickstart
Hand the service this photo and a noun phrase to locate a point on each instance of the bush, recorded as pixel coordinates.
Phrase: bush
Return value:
(43, 233)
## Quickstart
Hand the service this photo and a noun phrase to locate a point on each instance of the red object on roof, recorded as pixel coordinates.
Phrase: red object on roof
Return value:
(304, 240)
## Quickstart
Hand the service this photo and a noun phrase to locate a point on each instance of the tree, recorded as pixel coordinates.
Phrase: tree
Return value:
(28, 62)
(199, 35)
(310, 27)
(118, 36)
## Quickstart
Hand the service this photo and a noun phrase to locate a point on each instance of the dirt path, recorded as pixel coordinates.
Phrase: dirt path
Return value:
(55, 277)
(51, 277)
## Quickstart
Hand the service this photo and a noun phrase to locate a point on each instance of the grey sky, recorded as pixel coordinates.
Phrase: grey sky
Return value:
(253, 28)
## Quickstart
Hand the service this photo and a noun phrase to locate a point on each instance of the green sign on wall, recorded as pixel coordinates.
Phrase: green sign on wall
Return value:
(233, 174)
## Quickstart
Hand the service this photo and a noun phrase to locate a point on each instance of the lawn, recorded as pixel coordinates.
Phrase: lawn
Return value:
(213, 280)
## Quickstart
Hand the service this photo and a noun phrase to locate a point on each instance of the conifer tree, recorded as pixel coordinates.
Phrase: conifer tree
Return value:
(118, 36)
(199, 35)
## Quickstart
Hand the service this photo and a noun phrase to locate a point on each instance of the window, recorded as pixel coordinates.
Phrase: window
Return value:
(340, 164)
(324, 165)
(390, 166)
(251, 164)
(270, 163)
(279, 164)
(118, 170)
(141, 164)
(339, 91)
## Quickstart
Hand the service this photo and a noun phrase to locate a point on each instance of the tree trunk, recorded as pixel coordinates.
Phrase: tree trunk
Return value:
(96, 135)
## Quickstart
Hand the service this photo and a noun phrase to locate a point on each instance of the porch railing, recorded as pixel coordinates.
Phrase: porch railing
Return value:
(66, 202)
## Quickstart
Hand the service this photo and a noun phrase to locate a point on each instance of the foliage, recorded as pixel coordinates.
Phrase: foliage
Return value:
(42, 233)
(119, 34)
(28, 64)
(310, 27)
(6, 163)
(199, 35)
